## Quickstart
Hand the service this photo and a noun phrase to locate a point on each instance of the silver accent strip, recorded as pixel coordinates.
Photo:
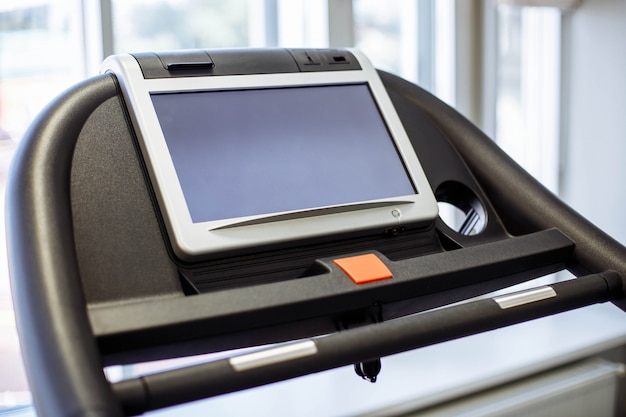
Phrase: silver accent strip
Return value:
(273, 355)
(524, 297)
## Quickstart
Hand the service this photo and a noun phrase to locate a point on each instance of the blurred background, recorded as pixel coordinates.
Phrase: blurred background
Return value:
(544, 79)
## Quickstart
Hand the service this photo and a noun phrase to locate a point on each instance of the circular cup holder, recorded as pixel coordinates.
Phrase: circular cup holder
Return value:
(460, 209)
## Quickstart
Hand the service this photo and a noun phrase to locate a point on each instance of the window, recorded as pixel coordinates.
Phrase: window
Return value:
(528, 89)
(38, 45)
(412, 39)
(144, 25)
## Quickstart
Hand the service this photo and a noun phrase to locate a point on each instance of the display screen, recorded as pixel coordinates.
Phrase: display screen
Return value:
(240, 153)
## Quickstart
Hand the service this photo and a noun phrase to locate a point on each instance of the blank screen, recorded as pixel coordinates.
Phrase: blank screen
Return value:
(260, 151)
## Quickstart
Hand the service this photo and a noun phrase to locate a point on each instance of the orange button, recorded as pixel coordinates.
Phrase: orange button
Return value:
(364, 268)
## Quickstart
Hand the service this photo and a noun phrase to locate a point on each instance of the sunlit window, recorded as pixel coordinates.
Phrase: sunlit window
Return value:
(383, 30)
(527, 102)
(146, 25)
(40, 44)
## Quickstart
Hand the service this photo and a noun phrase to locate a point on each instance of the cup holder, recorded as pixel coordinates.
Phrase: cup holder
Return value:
(460, 209)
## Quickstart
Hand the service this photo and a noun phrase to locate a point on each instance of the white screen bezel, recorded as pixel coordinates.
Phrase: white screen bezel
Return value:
(192, 241)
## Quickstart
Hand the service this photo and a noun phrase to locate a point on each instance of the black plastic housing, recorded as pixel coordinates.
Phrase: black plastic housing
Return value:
(243, 61)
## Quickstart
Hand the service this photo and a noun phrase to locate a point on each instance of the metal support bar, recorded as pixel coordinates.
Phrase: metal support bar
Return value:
(283, 362)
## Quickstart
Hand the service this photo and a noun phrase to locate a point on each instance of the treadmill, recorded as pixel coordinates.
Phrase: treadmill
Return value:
(96, 281)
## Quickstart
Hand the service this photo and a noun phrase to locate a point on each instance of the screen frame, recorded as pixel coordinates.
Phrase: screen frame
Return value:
(195, 241)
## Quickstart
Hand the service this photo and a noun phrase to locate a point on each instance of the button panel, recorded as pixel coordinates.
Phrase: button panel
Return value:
(363, 269)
